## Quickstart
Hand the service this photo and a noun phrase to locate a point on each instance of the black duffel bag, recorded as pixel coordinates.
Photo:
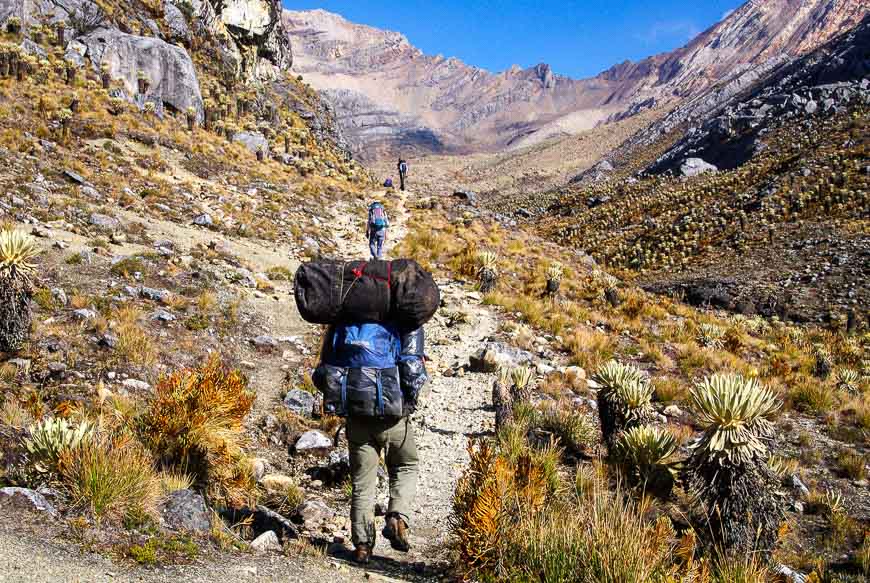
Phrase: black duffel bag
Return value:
(400, 292)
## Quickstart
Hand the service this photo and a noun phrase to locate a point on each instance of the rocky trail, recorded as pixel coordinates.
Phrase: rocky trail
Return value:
(454, 409)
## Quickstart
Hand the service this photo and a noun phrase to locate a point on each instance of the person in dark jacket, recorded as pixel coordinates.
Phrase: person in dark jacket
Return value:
(372, 375)
(402, 166)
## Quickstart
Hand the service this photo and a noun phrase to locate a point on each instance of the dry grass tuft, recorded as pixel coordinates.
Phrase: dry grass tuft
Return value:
(112, 478)
(194, 425)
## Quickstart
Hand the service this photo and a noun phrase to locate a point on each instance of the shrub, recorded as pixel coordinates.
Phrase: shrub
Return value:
(111, 478)
(646, 454)
(194, 425)
(590, 348)
(624, 398)
(810, 396)
(172, 481)
(17, 251)
(848, 380)
(727, 472)
(573, 428)
(511, 527)
(711, 336)
(128, 266)
(852, 464)
(734, 413)
(487, 271)
(135, 345)
(50, 438)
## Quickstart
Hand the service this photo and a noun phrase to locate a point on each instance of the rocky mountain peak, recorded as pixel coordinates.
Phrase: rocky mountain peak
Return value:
(410, 94)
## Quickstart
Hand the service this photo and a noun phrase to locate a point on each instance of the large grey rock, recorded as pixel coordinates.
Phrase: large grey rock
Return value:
(155, 295)
(268, 541)
(104, 222)
(495, 355)
(26, 498)
(31, 48)
(185, 510)
(168, 67)
(300, 402)
(695, 166)
(259, 22)
(203, 220)
(253, 141)
(313, 440)
(314, 512)
(177, 23)
(84, 314)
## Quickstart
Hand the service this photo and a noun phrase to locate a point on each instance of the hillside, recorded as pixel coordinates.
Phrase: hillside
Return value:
(164, 172)
(389, 95)
(780, 228)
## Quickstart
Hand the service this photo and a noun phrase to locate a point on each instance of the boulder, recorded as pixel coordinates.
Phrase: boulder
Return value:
(695, 166)
(467, 196)
(203, 220)
(268, 541)
(26, 498)
(314, 512)
(264, 342)
(496, 354)
(104, 222)
(185, 510)
(177, 23)
(155, 295)
(168, 68)
(277, 482)
(252, 140)
(300, 402)
(136, 385)
(259, 22)
(84, 314)
(313, 440)
(31, 48)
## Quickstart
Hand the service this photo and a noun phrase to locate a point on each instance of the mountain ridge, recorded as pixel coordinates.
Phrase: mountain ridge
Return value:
(459, 107)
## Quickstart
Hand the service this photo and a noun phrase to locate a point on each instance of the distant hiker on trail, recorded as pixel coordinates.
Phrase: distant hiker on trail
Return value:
(403, 173)
(372, 374)
(376, 229)
(388, 183)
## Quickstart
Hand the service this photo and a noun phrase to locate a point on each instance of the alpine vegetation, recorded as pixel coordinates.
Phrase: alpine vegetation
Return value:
(647, 456)
(554, 279)
(727, 469)
(487, 271)
(624, 398)
(17, 251)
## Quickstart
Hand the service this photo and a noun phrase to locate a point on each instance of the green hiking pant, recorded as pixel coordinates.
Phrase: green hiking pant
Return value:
(367, 438)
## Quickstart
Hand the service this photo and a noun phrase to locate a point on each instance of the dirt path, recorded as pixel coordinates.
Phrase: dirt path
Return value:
(454, 409)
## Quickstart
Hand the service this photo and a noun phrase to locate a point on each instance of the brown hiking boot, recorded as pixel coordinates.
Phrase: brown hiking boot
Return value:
(396, 531)
(362, 553)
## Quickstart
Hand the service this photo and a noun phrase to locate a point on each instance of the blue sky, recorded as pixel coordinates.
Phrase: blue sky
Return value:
(576, 38)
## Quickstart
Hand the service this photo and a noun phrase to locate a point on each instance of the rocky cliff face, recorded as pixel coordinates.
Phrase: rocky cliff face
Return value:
(825, 82)
(388, 92)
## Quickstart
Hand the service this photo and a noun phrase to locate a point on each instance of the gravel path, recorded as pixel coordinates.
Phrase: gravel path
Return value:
(454, 409)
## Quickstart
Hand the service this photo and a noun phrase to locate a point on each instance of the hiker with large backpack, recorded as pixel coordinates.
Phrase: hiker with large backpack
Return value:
(371, 372)
(376, 229)
(402, 166)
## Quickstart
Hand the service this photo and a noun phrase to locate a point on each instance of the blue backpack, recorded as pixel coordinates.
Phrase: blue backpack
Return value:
(371, 370)
(377, 216)
(366, 345)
